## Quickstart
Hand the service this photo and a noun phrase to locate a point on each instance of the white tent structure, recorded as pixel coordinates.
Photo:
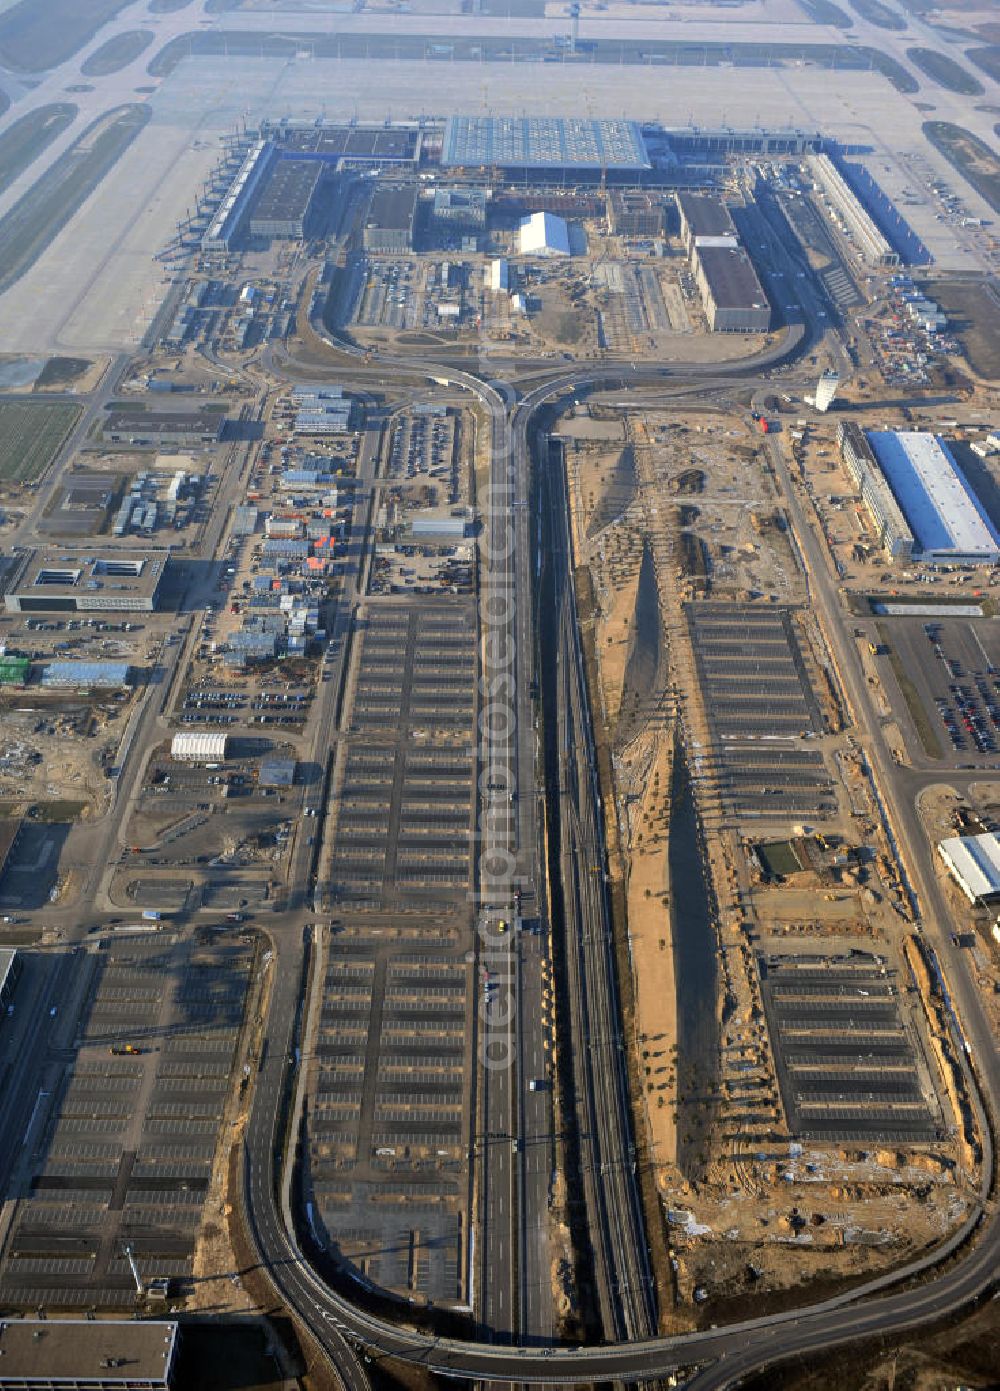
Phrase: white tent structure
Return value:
(192, 746)
(544, 234)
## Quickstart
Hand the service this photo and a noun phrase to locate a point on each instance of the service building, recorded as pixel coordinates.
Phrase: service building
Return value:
(703, 216)
(164, 427)
(884, 512)
(460, 210)
(635, 213)
(57, 582)
(199, 746)
(87, 1355)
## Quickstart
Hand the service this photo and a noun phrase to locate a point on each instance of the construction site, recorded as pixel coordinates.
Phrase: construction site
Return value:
(802, 1102)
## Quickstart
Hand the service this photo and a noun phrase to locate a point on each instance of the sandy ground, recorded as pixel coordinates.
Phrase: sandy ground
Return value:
(653, 955)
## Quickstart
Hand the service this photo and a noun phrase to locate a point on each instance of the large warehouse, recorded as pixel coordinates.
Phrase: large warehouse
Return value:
(948, 522)
(391, 217)
(733, 297)
(703, 216)
(543, 234)
(535, 142)
(974, 862)
(286, 199)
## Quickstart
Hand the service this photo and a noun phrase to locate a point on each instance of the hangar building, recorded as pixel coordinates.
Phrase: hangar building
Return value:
(948, 522)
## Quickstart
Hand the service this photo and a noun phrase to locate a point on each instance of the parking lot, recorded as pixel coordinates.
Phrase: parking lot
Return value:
(388, 1123)
(849, 1067)
(389, 1129)
(391, 295)
(127, 1150)
(950, 676)
(422, 450)
(760, 704)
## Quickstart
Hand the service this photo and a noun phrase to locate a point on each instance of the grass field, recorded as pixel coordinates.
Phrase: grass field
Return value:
(24, 140)
(987, 59)
(40, 34)
(117, 52)
(37, 218)
(975, 317)
(666, 53)
(877, 13)
(52, 813)
(974, 160)
(915, 706)
(60, 372)
(31, 435)
(945, 71)
(826, 12)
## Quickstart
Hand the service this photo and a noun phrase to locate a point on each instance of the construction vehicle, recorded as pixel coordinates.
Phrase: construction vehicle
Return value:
(124, 1050)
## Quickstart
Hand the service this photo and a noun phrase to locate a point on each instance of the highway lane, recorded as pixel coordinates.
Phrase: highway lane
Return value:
(599, 1064)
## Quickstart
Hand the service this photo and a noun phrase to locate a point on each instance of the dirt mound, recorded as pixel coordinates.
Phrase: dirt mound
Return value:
(617, 493)
(641, 687)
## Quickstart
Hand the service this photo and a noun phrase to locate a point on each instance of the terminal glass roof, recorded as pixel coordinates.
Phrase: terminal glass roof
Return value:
(543, 143)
